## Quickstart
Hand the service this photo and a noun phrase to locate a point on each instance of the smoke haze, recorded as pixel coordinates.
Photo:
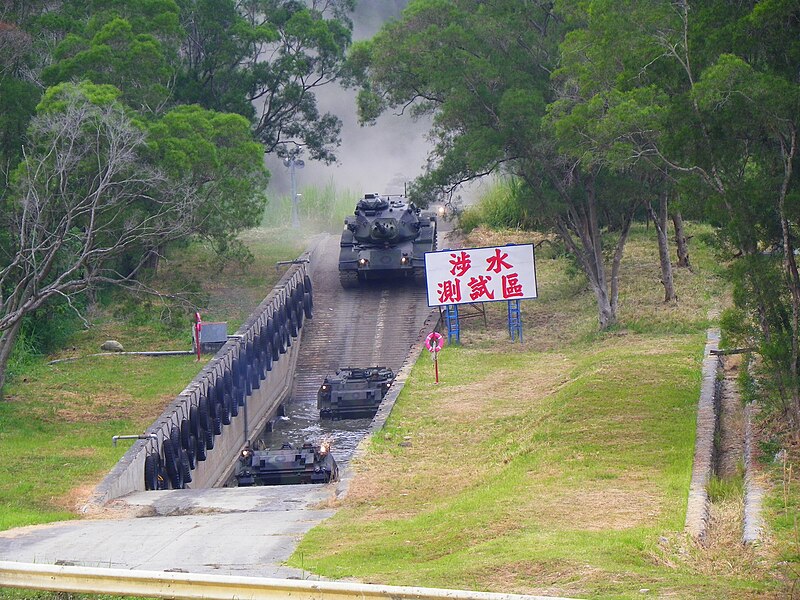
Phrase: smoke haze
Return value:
(379, 158)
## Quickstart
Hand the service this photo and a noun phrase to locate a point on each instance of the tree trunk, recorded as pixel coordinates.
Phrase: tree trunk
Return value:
(153, 259)
(660, 222)
(680, 241)
(606, 312)
(792, 278)
(617, 260)
(588, 249)
(7, 339)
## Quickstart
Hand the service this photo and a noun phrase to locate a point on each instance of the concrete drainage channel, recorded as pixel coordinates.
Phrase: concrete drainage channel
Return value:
(264, 371)
(723, 447)
(196, 439)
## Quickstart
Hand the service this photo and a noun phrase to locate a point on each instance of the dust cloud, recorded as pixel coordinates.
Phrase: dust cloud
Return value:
(380, 158)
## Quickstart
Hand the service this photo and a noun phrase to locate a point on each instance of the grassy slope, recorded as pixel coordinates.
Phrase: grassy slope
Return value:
(544, 477)
(557, 466)
(58, 420)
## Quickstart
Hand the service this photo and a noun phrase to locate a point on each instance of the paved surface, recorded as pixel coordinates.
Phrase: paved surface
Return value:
(240, 531)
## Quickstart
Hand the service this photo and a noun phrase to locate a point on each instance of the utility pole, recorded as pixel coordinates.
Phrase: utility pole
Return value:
(293, 163)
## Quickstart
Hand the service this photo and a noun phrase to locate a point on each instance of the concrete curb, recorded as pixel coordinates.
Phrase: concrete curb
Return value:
(697, 509)
(753, 491)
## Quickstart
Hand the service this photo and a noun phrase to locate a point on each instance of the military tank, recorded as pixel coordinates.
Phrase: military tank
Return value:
(286, 465)
(353, 393)
(386, 237)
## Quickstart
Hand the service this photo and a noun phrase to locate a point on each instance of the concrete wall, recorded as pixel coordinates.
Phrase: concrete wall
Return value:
(697, 509)
(128, 475)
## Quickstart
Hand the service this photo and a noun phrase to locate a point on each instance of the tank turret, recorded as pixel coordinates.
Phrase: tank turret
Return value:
(385, 237)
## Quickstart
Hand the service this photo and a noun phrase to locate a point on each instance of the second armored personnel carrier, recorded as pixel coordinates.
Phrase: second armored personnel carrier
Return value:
(385, 237)
(353, 393)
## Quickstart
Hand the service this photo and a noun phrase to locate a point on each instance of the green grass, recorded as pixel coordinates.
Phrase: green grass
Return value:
(57, 421)
(319, 209)
(722, 489)
(594, 472)
(557, 466)
(498, 208)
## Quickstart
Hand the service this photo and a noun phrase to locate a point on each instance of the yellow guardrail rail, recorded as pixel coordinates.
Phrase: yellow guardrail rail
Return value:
(154, 584)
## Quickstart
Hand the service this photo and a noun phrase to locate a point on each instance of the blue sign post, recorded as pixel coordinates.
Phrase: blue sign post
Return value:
(514, 320)
(451, 321)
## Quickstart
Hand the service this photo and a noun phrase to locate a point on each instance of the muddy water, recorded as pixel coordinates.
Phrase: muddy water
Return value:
(301, 423)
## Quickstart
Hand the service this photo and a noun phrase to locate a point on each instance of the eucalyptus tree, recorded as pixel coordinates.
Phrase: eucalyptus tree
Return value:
(709, 93)
(265, 59)
(484, 69)
(83, 196)
(215, 155)
(19, 92)
(130, 45)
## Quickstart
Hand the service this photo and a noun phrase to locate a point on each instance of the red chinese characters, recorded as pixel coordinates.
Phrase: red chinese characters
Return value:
(498, 262)
(461, 264)
(481, 274)
(511, 286)
(479, 288)
(449, 291)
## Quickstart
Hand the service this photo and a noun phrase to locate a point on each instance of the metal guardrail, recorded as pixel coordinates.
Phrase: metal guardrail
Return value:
(153, 584)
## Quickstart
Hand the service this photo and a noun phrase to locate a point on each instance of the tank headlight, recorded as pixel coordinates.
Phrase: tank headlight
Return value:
(363, 262)
(325, 387)
(404, 260)
(246, 454)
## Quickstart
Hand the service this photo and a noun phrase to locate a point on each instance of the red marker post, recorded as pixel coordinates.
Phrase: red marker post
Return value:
(198, 325)
(434, 343)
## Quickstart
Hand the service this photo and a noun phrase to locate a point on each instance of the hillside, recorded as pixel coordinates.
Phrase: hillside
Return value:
(557, 466)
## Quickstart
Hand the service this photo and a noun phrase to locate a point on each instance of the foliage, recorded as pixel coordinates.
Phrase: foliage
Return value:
(721, 490)
(22, 356)
(600, 106)
(484, 71)
(19, 92)
(704, 93)
(264, 60)
(499, 208)
(71, 227)
(18, 100)
(214, 154)
(319, 209)
(124, 44)
(149, 60)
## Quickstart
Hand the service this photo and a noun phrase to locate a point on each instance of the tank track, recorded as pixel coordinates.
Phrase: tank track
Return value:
(348, 279)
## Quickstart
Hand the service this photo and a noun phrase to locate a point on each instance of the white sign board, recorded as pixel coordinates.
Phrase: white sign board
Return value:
(468, 275)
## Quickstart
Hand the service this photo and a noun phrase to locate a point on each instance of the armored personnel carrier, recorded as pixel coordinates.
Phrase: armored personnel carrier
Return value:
(307, 464)
(353, 393)
(385, 237)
